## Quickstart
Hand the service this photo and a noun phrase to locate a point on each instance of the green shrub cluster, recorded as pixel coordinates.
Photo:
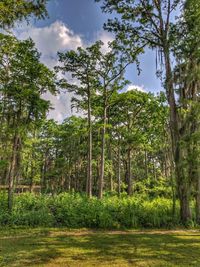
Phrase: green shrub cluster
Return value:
(75, 210)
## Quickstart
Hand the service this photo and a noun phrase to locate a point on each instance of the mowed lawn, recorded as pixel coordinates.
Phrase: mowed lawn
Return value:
(64, 247)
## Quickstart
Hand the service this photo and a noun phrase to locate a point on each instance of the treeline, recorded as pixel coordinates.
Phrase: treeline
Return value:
(123, 141)
(56, 155)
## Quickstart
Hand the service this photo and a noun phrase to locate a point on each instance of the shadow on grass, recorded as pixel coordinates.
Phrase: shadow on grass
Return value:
(99, 249)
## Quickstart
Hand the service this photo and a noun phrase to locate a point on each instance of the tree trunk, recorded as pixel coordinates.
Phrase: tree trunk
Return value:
(119, 170)
(102, 166)
(11, 172)
(146, 164)
(173, 184)
(43, 174)
(97, 176)
(184, 188)
(182, 181)
(198, 198)
(185, 212)
(110, 157)
(32, 175)
(89, 174)
(129, 173)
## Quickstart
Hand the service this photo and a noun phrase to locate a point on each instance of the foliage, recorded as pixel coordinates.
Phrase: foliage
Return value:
(12, 11)
(75, 210)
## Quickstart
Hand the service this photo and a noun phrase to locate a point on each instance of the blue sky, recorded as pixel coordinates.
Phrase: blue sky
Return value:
(74, 23)
(82, 16)
(86, 18)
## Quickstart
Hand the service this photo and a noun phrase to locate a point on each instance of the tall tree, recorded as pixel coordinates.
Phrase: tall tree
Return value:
(23, 80)
(100, 73)
(186, 79)
(149, 22)
(82, 65)
(110, 69)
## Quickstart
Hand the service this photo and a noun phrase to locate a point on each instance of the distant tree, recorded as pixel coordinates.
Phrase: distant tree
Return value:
(82, 66)
(138, 120)
(110, 69)
(99, 74)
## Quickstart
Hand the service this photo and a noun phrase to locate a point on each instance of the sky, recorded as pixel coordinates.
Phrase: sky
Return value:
(74, 23)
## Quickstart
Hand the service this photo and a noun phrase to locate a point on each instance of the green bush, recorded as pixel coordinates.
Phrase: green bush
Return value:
(76, 210)
(31, 210)
(4, 214)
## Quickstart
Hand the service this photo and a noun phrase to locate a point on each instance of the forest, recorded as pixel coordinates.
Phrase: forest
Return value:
(125, 159)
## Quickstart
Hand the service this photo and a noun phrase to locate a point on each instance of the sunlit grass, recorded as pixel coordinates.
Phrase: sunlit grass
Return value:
(64, 247)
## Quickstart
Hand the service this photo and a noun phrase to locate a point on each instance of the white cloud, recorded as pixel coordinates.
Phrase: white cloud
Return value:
(59, 37)
(106, 38)
(50, 39)
(135, 87)
(61, 106)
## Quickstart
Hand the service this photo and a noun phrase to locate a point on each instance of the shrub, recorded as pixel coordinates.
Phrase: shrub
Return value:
(76, 210)
(31, 210)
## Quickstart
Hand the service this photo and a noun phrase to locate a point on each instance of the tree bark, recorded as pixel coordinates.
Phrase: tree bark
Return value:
(146, 164)
(43, 174)
(129, 173)
(110, 157)
(102, 166)
(184, 196)
(89, 171)
(198, 197)
(119, 170)
(172, 176)
(182, 181)
(11, 172)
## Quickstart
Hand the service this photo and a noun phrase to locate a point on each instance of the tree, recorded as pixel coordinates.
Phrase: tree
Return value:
(63, 155)
(186, 79)
(138, 119)
(110, 69)
(97, 72)
(82, 66)
(149, 23)
(12, 11)
(23, 80)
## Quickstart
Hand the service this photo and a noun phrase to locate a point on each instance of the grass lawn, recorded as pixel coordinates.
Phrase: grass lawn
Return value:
(64, 247)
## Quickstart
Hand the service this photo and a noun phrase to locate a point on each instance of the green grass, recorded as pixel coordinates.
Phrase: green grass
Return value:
(64, 247)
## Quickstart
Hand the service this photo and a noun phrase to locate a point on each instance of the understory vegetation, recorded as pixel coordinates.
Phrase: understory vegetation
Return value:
(75, 210)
